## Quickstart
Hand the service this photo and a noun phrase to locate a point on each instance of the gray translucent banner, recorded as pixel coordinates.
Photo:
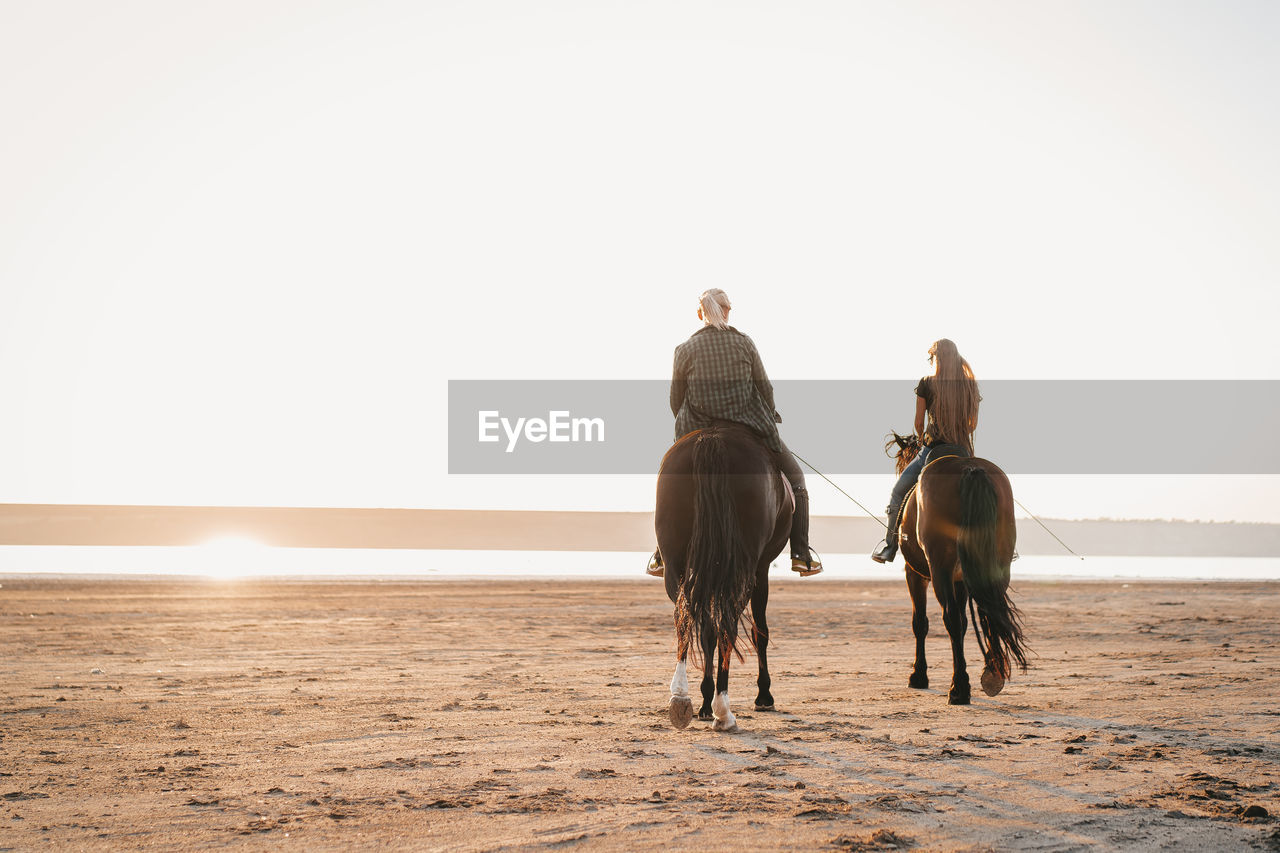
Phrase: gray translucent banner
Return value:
(1092, 427)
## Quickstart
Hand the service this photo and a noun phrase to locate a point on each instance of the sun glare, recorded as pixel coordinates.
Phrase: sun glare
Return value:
(229, 557)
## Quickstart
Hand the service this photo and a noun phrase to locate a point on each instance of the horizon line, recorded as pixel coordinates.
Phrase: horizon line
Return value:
(557, 530)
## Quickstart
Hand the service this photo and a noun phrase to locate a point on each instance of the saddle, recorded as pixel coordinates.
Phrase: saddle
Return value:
(789, 499)
(938, 451)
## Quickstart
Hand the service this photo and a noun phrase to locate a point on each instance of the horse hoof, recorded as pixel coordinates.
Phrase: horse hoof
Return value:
(726, 727)
(919, 682)
(706, 716)
(958, 699)
(768, 707)
(681, 711)
(991, 682)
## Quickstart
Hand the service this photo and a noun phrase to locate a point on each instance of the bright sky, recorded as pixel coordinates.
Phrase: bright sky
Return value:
(244, 245)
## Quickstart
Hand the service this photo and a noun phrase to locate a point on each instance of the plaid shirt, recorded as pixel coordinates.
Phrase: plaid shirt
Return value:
(718, 375)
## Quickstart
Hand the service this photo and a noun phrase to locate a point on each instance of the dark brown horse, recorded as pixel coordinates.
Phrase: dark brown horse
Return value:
(723, 514)
(957, 530)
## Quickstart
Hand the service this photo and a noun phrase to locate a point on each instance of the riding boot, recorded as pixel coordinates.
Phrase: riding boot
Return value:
(802, 558)
(889, 550)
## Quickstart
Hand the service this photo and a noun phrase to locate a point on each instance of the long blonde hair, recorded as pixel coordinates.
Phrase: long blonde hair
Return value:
(954, 412)
(715, 304)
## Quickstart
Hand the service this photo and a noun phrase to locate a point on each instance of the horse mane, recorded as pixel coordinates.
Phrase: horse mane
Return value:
(908, 446)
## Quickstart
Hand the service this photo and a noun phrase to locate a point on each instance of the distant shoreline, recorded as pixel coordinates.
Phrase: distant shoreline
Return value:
(512, 530)
(192, 579)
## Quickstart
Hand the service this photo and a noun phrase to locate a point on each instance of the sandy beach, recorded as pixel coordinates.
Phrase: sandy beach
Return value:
(531, 714)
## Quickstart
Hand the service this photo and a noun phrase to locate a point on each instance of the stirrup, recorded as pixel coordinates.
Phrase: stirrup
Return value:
(806, 568)
(886, 553)
(655, 568)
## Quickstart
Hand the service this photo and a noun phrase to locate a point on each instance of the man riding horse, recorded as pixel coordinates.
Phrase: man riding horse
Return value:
(718, 375)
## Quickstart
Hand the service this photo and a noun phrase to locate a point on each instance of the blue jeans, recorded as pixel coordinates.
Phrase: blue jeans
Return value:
(906, 480)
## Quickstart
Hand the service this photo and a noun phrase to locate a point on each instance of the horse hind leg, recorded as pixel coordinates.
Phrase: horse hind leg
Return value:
(918, 586)
(708, 682)
(957, 623)
(725, 721)
(759, 603)
(991, 680)
(680, 708)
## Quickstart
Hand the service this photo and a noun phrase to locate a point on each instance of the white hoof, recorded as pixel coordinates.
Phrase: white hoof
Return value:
(725, 721)
(991, 682)
(681, 711)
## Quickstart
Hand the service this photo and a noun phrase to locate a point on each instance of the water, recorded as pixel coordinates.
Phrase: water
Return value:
(234, 558)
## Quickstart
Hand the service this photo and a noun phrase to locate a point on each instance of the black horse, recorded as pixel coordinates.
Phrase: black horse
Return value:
(957, 530)
(723, 514)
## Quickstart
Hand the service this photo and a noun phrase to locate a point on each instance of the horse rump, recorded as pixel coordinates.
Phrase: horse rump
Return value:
(986, 576)
(719, 571)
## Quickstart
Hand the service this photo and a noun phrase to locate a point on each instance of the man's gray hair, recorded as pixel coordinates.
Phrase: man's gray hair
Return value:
(715, 305)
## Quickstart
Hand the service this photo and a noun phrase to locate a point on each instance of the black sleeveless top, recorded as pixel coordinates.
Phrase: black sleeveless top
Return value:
(932, 436)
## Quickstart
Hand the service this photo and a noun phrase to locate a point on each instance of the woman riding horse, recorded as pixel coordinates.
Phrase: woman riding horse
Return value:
(718, 375)
(957, 532)
(950, 399)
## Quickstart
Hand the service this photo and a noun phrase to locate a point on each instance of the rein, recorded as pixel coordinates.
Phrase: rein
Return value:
(1019, 503)
(811, 466)
(1046, 530)
(840, 490)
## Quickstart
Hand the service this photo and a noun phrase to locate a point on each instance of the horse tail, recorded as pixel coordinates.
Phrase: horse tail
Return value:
(985, 576)
(719, 574)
